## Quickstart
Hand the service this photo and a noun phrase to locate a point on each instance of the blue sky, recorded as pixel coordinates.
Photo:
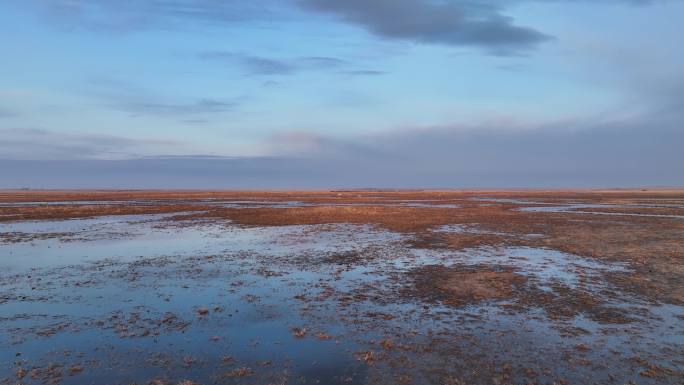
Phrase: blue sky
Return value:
(339, 80)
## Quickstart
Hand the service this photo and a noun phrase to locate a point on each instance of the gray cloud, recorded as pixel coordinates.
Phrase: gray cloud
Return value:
(138, 101)
(7, 113)
(39, 144)
(132, 15)
(480, 23)
(365, 73)
(474, 23)
(631, 153)
(258, 65)
(323, 62)
(264, 66)
(191, 172)
(637, 150)
(198, 107)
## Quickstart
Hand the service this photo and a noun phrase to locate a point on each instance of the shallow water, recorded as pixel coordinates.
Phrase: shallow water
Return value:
(133, 298)
(577, 207)
(234, 203)
(582, 209)
(544, 265)
(578, 203)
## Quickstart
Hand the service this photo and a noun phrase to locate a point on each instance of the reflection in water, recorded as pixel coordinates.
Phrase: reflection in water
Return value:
(132, 298)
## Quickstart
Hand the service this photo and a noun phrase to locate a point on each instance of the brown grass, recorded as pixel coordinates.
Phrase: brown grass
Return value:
(653, 246)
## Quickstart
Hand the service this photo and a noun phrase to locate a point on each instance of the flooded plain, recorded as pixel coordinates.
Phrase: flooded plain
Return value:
(341, 288)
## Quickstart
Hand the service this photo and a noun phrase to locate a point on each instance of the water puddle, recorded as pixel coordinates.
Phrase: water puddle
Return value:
(235, 203)
(575, 207)
(545, 266)
(126, 299)
(586, 209)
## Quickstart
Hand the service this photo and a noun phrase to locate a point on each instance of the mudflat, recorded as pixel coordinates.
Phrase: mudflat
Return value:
(342, 287)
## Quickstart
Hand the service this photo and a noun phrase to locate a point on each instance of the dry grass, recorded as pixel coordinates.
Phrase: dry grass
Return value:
(653, 246)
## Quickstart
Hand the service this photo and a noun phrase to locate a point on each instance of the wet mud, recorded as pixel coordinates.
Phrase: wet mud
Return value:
(342, 287)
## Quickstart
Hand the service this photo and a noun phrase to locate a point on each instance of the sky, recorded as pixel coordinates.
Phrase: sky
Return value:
(341, 93)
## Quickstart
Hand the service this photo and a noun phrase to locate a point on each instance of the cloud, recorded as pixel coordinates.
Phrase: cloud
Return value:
(191, 172)
(139, 101)
(133, 15)
(470, 23)
(365, 73)
(630, 151)
(294, 142)
(259, 65)
(264, 66)
(619, 153)
(7, 113)
(479, 23)
(39, 144)
(198, 107)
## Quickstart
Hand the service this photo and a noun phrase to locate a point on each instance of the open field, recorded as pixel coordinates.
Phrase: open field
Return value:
(342, 287)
